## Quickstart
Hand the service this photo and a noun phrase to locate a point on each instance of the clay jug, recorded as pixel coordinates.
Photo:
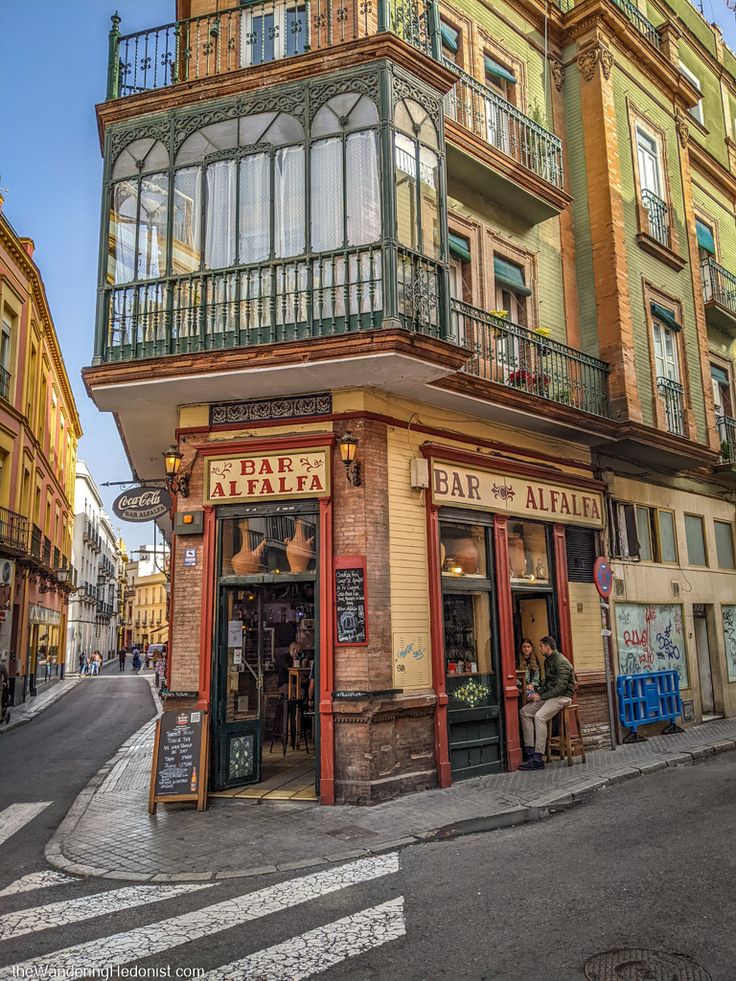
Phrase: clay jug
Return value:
(466, 556)
(299, 549)
(247, 560)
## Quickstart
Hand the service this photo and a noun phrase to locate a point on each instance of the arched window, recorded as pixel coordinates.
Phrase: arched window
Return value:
(417, 165)
(345, 195)
(139, 213)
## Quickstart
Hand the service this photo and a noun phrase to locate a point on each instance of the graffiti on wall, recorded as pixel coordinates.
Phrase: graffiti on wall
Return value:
(651, 638)
(728, 614)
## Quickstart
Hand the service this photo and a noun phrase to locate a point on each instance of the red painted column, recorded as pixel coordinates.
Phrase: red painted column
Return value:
(172, 580)
(326, 657)
(208, 607)
(563, 593)
(506, 638)
(437, 638)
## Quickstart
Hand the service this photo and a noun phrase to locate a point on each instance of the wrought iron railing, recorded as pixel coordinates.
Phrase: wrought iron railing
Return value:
(4, 383)
(508, 354)
(285, 300)
(727, 433)
(253, 34)
(719, 284)
(672, 394)
(475, 107)
(657, 216)
(13, 530)
(46, 551)
(419, 293)
(632, 13)
(36, 542)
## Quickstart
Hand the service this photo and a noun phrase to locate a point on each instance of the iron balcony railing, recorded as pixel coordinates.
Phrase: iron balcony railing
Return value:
(46, 552)
(672, 394)
(13, 530)
(255, 33)
(632, 13)
(657, 216)
(285, 300)
(719, 284)
(727, 433)
(508, 354)
(474, 106)
(4, 383)
(36, 542)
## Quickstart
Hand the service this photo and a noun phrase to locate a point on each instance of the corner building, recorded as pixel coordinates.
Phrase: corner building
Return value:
(410, 226)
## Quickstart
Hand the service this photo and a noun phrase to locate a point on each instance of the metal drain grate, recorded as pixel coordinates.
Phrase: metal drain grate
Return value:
(637, 964)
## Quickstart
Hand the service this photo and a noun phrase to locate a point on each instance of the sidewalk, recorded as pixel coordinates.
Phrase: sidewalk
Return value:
(20, 714)
(109, 833)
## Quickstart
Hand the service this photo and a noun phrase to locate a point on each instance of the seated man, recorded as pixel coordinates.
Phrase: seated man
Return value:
(554, 693)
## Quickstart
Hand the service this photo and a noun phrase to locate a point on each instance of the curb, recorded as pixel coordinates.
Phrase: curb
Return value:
(537, 810)
(57, 696)
(54, 850)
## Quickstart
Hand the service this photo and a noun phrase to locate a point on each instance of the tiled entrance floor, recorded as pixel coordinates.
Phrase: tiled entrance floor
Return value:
(289, 777)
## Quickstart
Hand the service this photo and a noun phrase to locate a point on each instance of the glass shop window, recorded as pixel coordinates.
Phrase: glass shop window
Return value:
(271, 544)
(463, 550)
(528, 554)
(467, 620)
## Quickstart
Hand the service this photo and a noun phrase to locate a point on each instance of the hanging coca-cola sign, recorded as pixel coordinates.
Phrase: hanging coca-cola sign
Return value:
(142, 504)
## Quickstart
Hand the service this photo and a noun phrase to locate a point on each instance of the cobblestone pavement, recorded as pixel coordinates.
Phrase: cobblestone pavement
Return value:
(108, 831)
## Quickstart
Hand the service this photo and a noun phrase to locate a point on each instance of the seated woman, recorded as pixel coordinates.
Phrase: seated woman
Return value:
(528, 663)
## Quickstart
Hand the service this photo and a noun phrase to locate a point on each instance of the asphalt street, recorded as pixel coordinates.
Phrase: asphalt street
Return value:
(54, 756)
(647, 864)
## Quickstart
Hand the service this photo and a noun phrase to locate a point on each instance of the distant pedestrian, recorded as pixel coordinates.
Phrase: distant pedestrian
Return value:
(96, 662)
(136, 660)
(82, 659)
(4, 691)
(121, 658)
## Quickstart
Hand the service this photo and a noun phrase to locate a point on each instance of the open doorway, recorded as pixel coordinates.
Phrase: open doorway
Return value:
(705, 668)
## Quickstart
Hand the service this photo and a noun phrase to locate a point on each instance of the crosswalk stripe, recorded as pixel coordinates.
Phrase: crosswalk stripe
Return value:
(13, 818)
(83, 908)
(121, 948)
(36, 880)
(316, 951)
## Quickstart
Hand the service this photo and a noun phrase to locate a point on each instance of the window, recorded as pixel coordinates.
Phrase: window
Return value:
(722, 397)
(511, 291)
(695, 537)
(695, 111)
(724, 544)
(6, 337)
(417, 179)
(460, 268)
(450, 38)
(647, 148)
(268, 33)
(706, 239)
(641, 532)
(666, 367)
(499, 78)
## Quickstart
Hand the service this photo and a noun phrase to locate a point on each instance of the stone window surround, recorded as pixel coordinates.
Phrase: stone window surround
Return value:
(654, 295)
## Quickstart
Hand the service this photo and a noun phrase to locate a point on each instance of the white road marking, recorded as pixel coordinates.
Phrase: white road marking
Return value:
(13, 818)
(85, 907)
(37, 880)
(316, 951)
(121, 948)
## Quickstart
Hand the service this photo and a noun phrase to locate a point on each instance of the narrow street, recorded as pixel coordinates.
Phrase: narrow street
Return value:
(624, 871)
(51, 759)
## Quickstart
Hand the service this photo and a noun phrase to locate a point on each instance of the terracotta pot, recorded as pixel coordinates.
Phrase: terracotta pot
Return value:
(466, 556)
(299, 549)
(248, 560)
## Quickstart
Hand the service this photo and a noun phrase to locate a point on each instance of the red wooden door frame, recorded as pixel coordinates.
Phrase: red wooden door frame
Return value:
(505, 608)
(437, 638)
(326, 656)
(562, 589)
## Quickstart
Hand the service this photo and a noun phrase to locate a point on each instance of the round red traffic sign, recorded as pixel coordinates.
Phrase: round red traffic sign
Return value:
(603, 576)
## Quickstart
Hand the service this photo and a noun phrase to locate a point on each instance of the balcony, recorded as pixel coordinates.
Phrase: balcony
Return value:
(36, 542)
(507, 354)
(4, 384)
(508, 151)
(657, 213)
(243, 37)
(725, 470)
(13, 531)
(632, 13)
(672, 394)
(719, 295)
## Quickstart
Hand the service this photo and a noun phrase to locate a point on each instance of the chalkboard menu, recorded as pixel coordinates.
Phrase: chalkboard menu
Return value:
(179, 758)
(350, 601)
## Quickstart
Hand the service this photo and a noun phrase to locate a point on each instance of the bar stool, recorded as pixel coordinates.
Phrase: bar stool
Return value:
(280, 723)
(567, 742)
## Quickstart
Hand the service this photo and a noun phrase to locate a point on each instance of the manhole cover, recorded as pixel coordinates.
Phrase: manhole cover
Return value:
(636, 964)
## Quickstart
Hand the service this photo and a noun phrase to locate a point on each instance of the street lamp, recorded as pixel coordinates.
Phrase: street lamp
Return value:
(176, 482)
(348, 445)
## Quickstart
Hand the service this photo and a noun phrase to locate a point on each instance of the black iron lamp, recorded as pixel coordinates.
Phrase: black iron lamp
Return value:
(348, 447)
(176, 482)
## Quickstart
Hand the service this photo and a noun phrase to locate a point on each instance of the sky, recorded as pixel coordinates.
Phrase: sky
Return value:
(53, 69)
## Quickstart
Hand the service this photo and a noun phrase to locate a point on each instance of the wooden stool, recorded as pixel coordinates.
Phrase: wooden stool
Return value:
(568, 742)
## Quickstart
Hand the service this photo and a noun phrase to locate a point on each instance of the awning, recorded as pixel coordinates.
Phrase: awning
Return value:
(666, 316)
(719, 375)
(493, 68)
(509, 275)
(705, 237)
(449, 37)
(460, 247)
